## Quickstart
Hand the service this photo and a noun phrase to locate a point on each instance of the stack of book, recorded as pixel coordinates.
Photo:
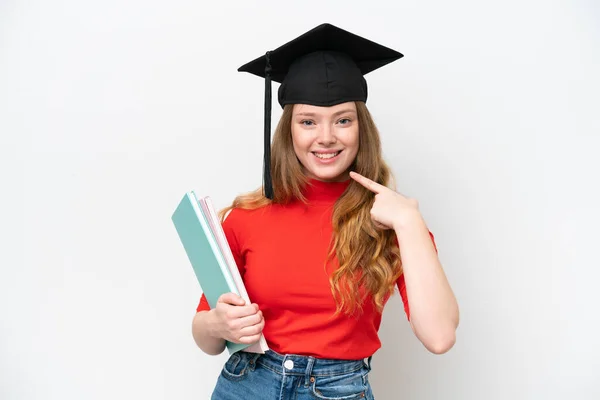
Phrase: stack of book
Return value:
(204, 241)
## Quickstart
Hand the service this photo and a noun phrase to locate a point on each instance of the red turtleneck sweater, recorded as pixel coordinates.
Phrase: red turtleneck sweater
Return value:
(280, 252)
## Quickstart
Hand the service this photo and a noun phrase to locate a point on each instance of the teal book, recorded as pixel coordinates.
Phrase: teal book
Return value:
(208, 262)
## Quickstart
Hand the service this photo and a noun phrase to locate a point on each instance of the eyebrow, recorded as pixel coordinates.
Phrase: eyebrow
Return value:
(309, 114)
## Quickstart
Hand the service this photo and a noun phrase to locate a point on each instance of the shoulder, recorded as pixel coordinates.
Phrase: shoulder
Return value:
(236, 213)
(249, 221)
(235, 216)
(239, 217)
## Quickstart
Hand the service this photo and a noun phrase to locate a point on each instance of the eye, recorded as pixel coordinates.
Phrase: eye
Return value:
(307, 122)
(344, 121)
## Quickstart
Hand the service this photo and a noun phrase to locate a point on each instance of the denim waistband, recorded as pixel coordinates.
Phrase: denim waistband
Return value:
(291, 364)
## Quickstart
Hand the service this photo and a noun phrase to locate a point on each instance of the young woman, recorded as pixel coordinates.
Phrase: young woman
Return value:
(324, 243)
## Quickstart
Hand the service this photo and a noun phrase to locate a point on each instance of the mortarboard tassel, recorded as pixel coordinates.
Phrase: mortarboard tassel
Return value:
(268, 184)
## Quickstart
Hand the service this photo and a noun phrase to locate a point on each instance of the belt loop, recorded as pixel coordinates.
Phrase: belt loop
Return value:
(308, 372)
(369, 363)
(252, 362)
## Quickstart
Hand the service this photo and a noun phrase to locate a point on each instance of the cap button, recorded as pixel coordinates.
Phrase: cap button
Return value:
(289, 364)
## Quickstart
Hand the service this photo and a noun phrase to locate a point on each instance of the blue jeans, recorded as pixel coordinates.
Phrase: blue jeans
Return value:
(272, 376)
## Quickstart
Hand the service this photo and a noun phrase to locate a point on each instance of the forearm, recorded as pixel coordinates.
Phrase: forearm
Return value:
(434, 311)
(204, 338)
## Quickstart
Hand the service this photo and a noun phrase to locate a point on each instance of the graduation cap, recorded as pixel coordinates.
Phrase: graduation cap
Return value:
(323, 67)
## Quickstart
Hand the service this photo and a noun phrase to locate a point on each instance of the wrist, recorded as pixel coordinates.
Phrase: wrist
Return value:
(409, 221)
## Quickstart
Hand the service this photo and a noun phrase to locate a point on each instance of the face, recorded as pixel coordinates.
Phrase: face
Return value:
(325, 139)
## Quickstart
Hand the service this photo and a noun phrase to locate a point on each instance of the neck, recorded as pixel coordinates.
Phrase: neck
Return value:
(320, 192)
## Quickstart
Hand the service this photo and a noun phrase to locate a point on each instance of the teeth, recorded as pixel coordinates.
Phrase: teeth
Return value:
(325, 156)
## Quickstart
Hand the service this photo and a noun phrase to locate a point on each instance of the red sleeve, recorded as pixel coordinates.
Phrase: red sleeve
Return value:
(402, 284)
(203, 305)
(231, 228)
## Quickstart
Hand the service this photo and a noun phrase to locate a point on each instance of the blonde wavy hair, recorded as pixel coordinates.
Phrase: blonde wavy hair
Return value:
(369, 259)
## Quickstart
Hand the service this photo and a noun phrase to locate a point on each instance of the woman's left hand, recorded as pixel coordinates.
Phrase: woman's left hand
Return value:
(390, 210)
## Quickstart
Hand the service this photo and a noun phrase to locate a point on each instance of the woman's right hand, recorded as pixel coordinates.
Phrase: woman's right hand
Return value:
(236, 322)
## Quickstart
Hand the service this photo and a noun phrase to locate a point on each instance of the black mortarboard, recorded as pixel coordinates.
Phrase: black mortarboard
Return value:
(322, 67)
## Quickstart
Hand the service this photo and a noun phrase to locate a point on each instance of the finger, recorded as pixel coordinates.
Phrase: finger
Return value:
(249, 339)
(235, 312)
(249, 320)
(379, 226)
(231, 298)
(252, 330)
(367, 183)
(251, 334)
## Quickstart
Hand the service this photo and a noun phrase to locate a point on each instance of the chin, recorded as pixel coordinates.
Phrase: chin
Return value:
(329, 177)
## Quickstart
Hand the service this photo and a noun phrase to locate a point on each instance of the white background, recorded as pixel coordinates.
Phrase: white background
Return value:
(110, 110)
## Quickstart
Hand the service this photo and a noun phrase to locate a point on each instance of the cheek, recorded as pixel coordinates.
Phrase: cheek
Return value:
(294, 139)
(352, 141)
(299, 141)
(297, 146)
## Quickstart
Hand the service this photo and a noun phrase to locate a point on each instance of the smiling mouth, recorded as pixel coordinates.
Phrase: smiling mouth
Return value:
(326, 156)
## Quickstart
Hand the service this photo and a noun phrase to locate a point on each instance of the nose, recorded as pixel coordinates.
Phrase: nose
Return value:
(326, 135)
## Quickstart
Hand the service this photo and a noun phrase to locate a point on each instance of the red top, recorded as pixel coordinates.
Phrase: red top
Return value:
(280, 252)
